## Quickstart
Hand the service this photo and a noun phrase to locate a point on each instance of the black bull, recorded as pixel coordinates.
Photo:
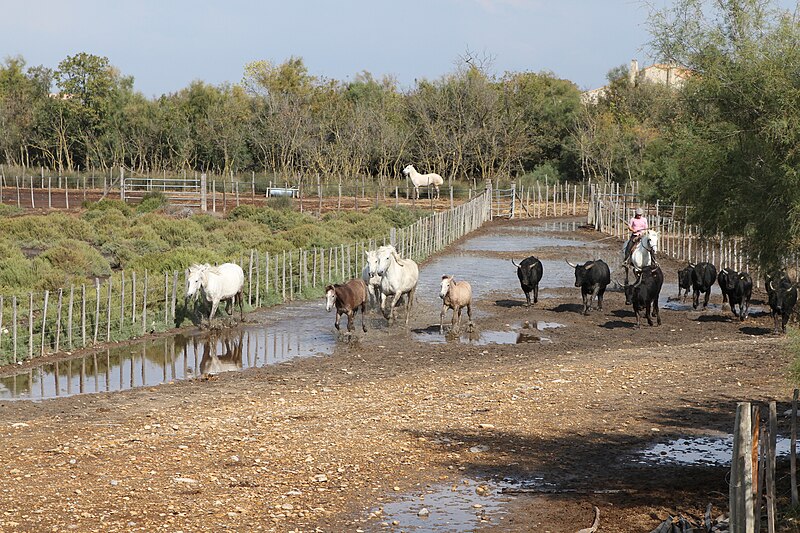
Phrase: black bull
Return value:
(592, 277)
(737, 289)
(529, 272)
(703, 277)
(782, 299)
(644, 293)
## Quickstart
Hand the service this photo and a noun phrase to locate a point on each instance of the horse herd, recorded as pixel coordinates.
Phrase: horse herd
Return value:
(388, 279)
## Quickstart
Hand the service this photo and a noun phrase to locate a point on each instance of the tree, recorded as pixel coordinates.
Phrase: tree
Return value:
(737, 141)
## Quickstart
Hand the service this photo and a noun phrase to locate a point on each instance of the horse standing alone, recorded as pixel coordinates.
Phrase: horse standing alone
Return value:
(423, 180)
(455, 295)
(223, 282)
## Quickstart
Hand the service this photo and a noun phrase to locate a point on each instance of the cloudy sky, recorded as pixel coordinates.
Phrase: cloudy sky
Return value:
(167, 44)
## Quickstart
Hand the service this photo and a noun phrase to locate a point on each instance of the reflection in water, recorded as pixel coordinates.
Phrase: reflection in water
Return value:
(230, 360)
(183, 356)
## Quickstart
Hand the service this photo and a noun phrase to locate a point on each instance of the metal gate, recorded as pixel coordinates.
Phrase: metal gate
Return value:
(180, 191)
(503, 203)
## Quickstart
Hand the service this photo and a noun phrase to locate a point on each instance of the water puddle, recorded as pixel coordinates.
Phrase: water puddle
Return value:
(183, 356)
(527, 333)
(698, 451)
(463, 506)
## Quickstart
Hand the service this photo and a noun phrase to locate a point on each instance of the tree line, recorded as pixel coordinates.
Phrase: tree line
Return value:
(282, 120)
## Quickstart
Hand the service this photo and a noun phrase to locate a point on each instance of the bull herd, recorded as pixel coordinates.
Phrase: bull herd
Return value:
(388, 280)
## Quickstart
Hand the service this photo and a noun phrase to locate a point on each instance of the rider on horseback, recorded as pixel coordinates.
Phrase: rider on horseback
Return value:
(637, 225)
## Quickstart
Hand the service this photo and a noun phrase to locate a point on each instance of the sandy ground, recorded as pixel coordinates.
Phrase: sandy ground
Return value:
(318, 444)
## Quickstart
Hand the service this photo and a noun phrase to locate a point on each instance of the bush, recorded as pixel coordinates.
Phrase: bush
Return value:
(152, 201)
(76, 258)
(176, 259)
(42, 230)
(17, 272)
(175, 232)
(275, 219)
(108, 203)
(9, 210)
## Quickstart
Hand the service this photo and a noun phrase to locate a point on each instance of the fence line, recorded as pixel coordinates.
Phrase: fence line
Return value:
(121, 308)
(611, 206)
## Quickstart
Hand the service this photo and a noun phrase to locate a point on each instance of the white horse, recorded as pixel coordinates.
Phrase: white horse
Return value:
(423, 180)
(643, 253)
(399, 279)
(373, 281)
(224, 282)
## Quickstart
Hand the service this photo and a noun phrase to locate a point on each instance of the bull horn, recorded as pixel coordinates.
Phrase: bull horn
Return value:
(513, 263)
(691, 265)
(570, 264)
(590, 265)
(397, 258)
(770, 286)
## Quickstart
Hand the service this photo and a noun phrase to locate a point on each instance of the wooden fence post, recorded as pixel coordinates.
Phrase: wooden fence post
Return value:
(96, 310)
(144, 305)
(44, 320)
(771, 459)
(69, 316)
(793, 449)
(58, 318)
(14, 325)
(108, 311)
(741, 481)
(30, 318)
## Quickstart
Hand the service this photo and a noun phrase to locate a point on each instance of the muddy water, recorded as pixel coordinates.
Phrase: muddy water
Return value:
(301, 329)
(454, 508)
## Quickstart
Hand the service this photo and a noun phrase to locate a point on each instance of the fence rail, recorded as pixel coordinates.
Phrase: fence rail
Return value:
(130, 304)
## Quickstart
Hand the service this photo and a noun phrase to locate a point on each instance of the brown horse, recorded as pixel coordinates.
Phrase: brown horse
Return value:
(347, 298)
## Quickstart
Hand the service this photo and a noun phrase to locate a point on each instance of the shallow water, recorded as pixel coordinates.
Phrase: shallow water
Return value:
(698, 451)
(463, 506)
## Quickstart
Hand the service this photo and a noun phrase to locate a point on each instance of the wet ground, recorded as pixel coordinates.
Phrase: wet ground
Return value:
(521, 424)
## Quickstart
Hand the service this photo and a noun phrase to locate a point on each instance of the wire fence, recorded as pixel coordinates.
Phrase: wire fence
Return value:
(130, 304)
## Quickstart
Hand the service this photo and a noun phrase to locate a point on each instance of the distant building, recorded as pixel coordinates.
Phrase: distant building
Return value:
(662, 73)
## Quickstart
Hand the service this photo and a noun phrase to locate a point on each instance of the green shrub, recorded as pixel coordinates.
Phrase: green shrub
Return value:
(275, 219)
(7, 210)
(176, 259)
(245, 234)
(76, 258)
(152, 201)
(17, 272)
(183, 232)
(208, 222)
(281, 203)
(108, 203)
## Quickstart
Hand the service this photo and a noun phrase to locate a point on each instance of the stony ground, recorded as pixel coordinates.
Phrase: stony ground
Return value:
(318, 444)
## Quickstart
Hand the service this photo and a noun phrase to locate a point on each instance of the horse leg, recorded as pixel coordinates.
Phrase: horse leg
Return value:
(338, 316)
(409, 302)
(351, 317)
(441, 318)
(390, 316)
(214, 306)
(469, 316)
(363, 312)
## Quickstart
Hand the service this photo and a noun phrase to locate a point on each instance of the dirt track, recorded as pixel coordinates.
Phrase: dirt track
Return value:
(318, 443)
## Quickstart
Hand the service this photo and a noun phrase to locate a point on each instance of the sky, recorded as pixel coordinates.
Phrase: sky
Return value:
(165, 45)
